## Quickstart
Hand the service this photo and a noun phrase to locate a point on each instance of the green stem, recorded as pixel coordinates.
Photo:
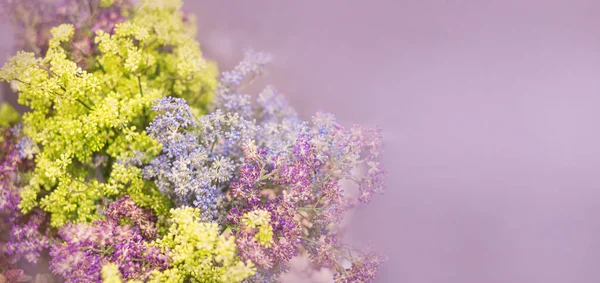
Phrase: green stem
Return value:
(101, 66)
(212, 147)
(83, 103)
(64, 89)
(140, 85)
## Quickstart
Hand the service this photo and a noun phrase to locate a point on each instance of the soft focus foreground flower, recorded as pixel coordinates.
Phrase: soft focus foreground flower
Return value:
(87, 248)
(111, 274)
(34, 20)
(8, 115)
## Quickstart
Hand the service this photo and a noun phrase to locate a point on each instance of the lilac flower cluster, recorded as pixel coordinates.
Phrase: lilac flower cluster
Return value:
(125, 208)
(26, 241)
(363, 268)
(88, 247)
(9, 164)
(27, 236)
(271, 257)
(199, 156)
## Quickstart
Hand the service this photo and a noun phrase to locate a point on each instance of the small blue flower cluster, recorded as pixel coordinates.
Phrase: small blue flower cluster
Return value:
(199, 156)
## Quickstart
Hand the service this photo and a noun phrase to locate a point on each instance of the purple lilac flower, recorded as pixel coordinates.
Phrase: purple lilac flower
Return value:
(9, 193)
(324, 253)
(306, 179)
(349, 149)
(273, 258)
(88, 247)
(364, 268)
(26, 239)
(127, 209)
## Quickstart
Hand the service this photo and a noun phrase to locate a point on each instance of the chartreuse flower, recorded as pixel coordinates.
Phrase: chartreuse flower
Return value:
(89, 123)
(106, 3)
(199, 252)
(8, 115)
(111, 274)
(259, 219)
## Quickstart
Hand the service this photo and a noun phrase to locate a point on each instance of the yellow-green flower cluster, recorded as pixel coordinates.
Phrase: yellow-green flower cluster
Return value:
(259, 219)
(8, 115)
(89, 123)
(111, 274)
(106, 3)
(199, 252)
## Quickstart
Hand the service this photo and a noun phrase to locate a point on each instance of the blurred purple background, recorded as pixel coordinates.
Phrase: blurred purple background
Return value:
(490, 115)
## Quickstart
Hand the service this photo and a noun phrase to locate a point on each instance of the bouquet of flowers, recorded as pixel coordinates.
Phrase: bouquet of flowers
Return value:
(137, 161)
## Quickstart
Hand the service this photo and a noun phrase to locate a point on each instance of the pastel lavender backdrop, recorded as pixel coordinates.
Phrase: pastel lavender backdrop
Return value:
(490, 114)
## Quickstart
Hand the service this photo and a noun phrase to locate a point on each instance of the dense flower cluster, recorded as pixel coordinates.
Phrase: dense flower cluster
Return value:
(27, 235)
(198, 156)
(87, 248)
(136, 164)
(199, 252)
